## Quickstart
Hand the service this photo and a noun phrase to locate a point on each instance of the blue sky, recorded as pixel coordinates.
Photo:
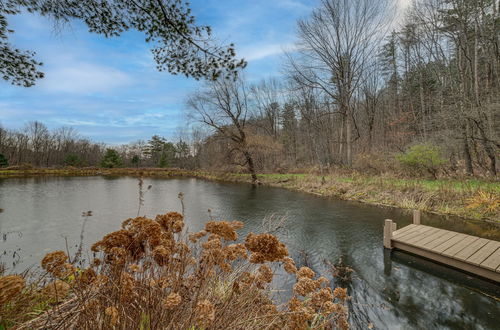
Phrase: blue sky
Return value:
(109, 89)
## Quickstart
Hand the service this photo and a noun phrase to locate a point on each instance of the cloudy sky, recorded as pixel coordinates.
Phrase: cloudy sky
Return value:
(109, 89)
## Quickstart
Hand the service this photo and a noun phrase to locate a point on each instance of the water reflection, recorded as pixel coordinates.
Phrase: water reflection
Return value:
(391, 290)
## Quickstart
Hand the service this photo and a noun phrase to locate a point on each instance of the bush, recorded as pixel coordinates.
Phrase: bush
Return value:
(3, 161)
(111, 159)
(72, 160)
(422, 159)
(149, 275)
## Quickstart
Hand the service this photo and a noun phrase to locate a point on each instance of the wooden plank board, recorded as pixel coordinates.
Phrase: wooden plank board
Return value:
(459, 264)
(439, 240)
(449, 243)
(472, 254)
(403, 230)
(493, 261)
(415, 240)
(436, 235)
(460, 246)
(413, 229)
(471, 249)
(417, 231)
(483, 253)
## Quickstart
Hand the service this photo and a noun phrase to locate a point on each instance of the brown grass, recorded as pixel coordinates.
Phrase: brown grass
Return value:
(151, 275)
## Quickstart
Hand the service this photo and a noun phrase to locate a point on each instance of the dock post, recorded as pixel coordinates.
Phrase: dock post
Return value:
(388, 228)
(416, 217)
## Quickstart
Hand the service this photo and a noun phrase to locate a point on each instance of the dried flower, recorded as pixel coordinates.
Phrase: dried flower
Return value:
(340, 293)
(265, 274)
(305, 272)
(171, 222)
(56, 290)
(10, 286)
(112, 312)
(265, 247)
(225, 229)
(305, 286)
(54, 263)
(205, 313)
(289, 265)
(172, 301)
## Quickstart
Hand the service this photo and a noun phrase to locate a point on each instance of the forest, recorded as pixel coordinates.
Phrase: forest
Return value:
(353, 94)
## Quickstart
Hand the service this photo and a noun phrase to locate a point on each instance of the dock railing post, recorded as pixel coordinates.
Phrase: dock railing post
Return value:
(388, 228)
(416, 217)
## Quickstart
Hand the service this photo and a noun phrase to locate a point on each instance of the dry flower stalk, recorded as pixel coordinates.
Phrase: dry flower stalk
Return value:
(149, 273)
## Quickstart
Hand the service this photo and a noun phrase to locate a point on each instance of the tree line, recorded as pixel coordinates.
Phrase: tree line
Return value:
(357, 94)
(36, 145)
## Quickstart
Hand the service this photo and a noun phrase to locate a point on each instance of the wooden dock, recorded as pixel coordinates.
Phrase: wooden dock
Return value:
(475, 255)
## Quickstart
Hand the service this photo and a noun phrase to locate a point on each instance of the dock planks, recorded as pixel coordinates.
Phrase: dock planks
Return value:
(472, 254)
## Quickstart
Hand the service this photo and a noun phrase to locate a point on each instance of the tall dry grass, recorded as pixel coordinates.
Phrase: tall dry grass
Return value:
(150, 274)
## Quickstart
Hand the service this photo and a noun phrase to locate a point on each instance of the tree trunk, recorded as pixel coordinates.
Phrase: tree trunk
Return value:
(467, 155)
(348, 140)
(251, 166)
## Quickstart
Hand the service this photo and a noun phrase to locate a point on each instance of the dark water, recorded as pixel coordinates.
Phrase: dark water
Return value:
(391, 290)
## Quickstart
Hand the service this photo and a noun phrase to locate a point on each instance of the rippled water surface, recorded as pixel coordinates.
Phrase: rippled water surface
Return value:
(391, 290)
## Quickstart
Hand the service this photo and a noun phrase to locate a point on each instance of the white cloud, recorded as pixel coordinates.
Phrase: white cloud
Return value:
(83, 78)
(256, 53)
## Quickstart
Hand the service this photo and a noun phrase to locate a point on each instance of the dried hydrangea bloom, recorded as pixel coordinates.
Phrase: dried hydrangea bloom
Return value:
(119, 239)
(265, 274)
(10, 286)
(161, 255)
(294, 304)
(112, 312)
(340, 293)
(305, 285)
(88, 276)
(265, 247)
(116, 256)
(319, 298)
(213, 243)
(300, 318)
(127, 285)
(56, 290)
(289, 265)
(225, 229)
(305, 272)
(205, 313)
(173, 300)
(235, 251)
(196, 236)
(171, 222)
(54, 263)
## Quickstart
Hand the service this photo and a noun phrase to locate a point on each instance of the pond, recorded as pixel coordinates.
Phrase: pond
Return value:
(390, 290)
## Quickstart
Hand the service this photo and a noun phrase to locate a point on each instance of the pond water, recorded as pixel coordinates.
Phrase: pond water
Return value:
(390, 290)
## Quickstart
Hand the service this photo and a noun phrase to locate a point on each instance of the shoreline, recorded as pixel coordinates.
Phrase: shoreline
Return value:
(465, 198)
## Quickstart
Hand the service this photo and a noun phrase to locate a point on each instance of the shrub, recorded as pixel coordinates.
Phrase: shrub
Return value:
(3, 161)
(72, 160)
(136, 160)
(111, 159)
(149, 275)
(422, 159)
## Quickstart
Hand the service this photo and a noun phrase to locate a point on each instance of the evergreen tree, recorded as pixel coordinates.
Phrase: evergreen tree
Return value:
(111, 159)
(3, 161)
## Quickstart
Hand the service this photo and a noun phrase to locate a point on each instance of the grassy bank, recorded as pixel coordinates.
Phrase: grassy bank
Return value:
(468, 198)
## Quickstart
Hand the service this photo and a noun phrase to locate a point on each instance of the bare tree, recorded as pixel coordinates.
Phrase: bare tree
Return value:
(336, 44)
(223, 105)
